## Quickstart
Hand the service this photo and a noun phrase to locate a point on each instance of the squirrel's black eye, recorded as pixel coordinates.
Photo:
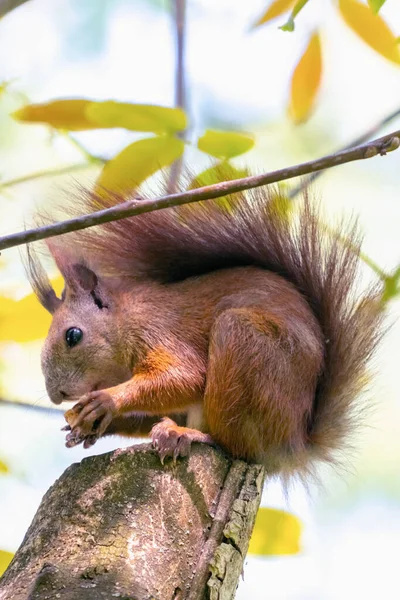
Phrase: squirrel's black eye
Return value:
(73, 336)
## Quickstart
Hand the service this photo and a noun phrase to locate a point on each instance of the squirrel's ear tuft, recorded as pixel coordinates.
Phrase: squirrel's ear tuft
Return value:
(40, 282)
(50, 301)
(77, 275)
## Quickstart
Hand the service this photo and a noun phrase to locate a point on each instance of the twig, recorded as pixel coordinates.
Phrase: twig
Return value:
(91, 158)
(7, 6)
(364, 137)
(42, 174)
(179, 7)
(33, 407)
(380, 146)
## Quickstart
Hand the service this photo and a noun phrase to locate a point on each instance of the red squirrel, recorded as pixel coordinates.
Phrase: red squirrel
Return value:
(231, 312)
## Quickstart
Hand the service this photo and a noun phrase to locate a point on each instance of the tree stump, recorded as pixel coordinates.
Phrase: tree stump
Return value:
(122, 525)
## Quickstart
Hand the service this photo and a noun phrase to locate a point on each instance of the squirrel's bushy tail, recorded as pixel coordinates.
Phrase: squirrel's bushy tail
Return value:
(253, 228)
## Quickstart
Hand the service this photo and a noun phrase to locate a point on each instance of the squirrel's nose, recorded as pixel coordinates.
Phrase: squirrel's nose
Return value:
(63, 394)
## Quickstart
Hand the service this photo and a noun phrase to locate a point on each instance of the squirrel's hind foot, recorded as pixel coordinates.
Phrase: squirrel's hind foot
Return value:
(173, 441)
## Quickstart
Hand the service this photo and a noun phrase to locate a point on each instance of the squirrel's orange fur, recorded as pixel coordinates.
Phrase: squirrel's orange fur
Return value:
(232, 306)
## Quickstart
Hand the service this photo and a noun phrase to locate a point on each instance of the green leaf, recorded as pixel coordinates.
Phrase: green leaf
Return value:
(137, 117)
(289, 25)
(376, 5)
(275, 532)
(391, 285)
(5, 559)
(124, 173)
(3, 468)
(225, 144)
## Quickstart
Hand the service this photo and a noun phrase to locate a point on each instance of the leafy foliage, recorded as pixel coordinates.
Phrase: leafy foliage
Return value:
(60, 114)
(135, 163)
(5, 559)
(137, 117)
(306, 81)
(223, 171)
(376, 5)
(391, 285)
(361, 18)
(275, 532)
(24, 320)
(214, 174)
(275, 9)
(3, 468)
(225, 144)
(81, 114)
(371, 28)
(289, 25)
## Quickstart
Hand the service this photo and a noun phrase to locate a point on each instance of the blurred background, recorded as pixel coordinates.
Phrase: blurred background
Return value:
(237, 78)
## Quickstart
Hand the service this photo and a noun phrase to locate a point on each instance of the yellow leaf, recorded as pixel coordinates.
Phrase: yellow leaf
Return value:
(137, 117)
(225, 144)
(216, 174)
(221, 172)
(137, 162)
(4, 85)
(5, 559)
(275, 532)
(306, 80)
(371, 28)
(275, 9)
(80, 114)
(282, 205)
(3, 468)
(60, 114)
(24, 320)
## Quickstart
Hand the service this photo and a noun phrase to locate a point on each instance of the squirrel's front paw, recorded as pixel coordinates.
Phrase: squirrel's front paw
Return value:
(171, 440)
(89, 418)
(76, 437)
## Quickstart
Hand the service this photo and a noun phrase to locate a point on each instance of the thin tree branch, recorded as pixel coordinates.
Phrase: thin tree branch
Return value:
(380, 146)
(91, 158)
(33, 407)
(7, 6)
(42, 174)
(179, 7)
(364, 137)
(180, 75)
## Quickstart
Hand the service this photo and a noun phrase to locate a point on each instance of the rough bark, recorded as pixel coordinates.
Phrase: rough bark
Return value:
(121, 525)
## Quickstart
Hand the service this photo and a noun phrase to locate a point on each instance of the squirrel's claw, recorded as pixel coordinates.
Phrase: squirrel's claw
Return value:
(90, 441)
(74, 438)
(173, 441)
